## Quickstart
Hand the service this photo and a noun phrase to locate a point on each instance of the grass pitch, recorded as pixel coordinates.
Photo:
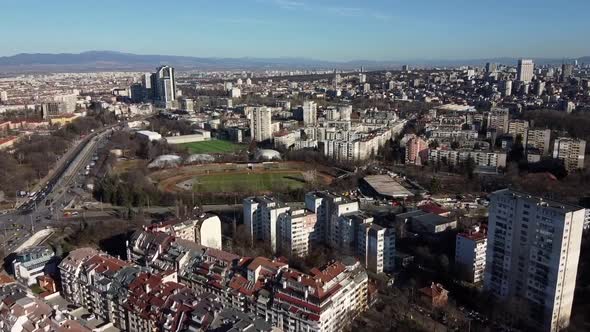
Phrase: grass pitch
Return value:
(244, 182)
(212, 146)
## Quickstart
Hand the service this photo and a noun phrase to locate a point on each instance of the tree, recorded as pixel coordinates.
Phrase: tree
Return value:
(468, 167)
(443, 263)
(516, 153)
(435, 185)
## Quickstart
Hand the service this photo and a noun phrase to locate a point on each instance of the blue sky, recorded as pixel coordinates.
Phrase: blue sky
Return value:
(319, 29)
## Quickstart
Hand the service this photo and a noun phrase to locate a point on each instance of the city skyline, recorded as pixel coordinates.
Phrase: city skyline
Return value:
(323, 30)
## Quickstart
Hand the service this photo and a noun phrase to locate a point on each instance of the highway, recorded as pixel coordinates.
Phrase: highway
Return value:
(47, 204)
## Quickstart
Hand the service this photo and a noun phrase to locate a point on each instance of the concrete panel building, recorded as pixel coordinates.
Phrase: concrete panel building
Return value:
(571, 151)
(261, 124)
(532, 256)
(470, 254)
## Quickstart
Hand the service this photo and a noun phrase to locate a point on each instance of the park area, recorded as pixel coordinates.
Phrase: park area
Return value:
(212, 146)
(237, 178)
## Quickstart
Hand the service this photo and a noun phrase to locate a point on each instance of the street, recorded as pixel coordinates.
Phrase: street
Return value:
(45, 207)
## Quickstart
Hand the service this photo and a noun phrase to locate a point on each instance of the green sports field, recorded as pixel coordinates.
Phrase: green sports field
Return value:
(212, 146)
(243, 182)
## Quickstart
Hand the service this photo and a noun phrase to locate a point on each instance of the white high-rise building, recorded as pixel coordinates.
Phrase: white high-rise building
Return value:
(532, 256)
(525, 70)
(69, 102)
(164, 84)
(507, 88)
(376, 248)
(539, 139)
(498, 119)
(298, 230)
(519, 128)
(261, 215)
(362, 78)
(345, 231)
(539, 88)
(470, 254)
(3, 96)
(235, 93)
(310, 113)
(261, 124)
(571, 151)
(345, 112)
(328, 208)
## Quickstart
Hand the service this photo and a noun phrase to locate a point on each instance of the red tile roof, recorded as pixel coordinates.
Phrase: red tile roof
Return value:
(433, 208)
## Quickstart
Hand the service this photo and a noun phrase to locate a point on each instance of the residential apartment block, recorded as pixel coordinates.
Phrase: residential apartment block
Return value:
(261, 124)
(261, 215)
(204, 229)
(327, 219)
(416, 151)
(519, 128)
(539, 139)
(498, 119)
(143, 298)
(470, 254)
(532, 256)
(456, 157)
(327, 299)
(571, 151)
(298, 230)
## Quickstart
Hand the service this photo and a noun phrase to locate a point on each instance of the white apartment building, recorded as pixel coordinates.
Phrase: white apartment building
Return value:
(310, 113)
(455, 157)
(376, 248)
(235, 93)
(204, 230)
(69, 101)
(498, 119)
(32, 263)
(525, 70)
(345, 231)
(507, 88)
(298, 230)
(261, 124)
(470, 254)
(328, 208)
(539, 139)
(261, 215)
(454, 134)
(345, 112)
(518, 127)
(571, 151)
(287, 140)
(532, 256)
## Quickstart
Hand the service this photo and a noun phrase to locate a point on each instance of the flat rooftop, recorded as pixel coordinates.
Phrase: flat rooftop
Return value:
(385, 185)
(456, 108)
(536, 200)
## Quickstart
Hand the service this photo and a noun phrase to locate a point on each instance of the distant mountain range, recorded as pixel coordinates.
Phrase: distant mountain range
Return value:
(109, 60)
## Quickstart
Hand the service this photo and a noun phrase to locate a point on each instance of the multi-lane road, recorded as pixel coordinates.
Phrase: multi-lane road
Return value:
(45, 207)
